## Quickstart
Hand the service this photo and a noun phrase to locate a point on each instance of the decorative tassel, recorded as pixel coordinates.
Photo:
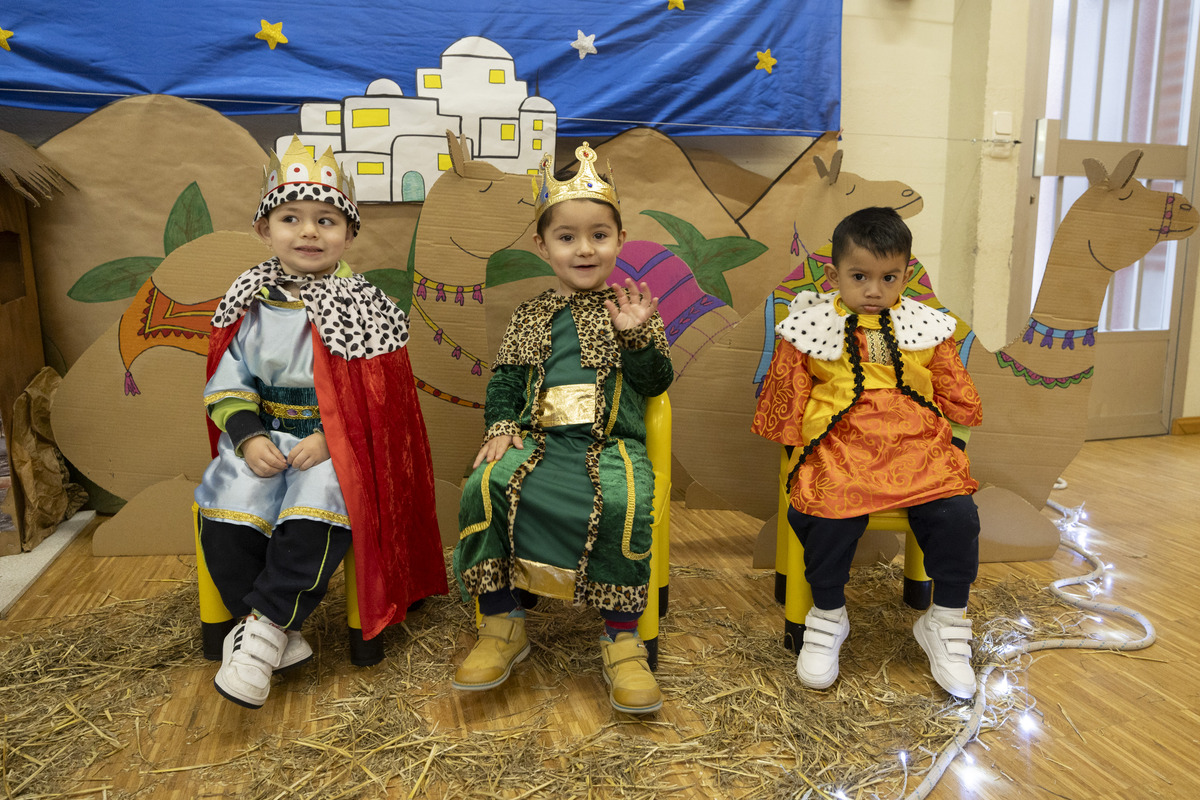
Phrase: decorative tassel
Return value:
(1028, 337)
(477, 369)
(437, 336)
(421, 289)
(441, 293)
(131, 387)
(458, 296)
(1069, 341)
(477, 294)
(1089, 338)
(1048, 339)
(457, 351)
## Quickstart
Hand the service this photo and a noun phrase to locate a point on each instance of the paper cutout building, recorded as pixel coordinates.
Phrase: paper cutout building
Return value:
(395, 146)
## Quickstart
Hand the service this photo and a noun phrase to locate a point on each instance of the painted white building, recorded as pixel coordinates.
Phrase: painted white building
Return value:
(395, 146)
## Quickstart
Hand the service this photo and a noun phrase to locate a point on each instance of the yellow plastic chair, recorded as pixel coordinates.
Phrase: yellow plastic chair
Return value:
(791, 587)
(216, 621)
(658, 450)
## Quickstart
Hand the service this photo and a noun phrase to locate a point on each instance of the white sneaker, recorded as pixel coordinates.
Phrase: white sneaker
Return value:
(824, 632)
(297, 652)
(251, 652)
(945, 636)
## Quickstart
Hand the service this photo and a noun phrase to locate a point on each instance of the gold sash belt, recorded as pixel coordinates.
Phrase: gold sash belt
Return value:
(571, 404)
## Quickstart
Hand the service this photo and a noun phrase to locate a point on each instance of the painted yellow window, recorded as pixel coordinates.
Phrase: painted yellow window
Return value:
(444, 162)
(433, 81)
(333, 117)
(537, 144)
(495, 76)
(531, 172)
(508, 132)
(537, 124)
(370, 168)
(371, 118)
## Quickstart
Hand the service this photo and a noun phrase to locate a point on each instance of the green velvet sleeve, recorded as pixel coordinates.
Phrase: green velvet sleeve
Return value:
(506, 406)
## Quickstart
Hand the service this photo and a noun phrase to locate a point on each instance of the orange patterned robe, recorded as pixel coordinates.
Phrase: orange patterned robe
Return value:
(879, 447)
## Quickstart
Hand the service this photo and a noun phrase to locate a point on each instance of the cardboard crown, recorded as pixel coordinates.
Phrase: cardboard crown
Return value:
(283, 179)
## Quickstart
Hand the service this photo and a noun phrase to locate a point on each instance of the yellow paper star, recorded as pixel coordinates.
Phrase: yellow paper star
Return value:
(4, 37)
(765, 61)
(271, 34)
(675, 4)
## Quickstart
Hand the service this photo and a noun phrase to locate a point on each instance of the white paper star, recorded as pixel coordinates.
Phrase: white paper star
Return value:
(584, 44)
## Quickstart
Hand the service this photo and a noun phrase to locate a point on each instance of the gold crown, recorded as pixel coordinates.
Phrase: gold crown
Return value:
(586, 184)
(298, 177)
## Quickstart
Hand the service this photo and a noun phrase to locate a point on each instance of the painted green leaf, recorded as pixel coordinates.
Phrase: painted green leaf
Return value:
(189, 219)
(685, 233)
(506, 266)
(113, 280)
(395, 283)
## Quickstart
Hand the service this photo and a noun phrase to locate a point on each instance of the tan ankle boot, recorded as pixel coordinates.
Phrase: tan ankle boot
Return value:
(632, 687)
(502, 643)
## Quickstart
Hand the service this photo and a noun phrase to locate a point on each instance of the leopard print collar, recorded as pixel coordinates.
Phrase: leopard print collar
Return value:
(527, 340)
(352, 316)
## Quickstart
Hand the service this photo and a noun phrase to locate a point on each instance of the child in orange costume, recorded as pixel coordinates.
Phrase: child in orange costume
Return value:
(869, 389)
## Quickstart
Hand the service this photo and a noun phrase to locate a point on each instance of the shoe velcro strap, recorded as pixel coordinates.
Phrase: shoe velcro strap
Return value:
(958, 649)
(820, 625)
(626, 650)
(261, 647)
(955, 632)
(501, 628)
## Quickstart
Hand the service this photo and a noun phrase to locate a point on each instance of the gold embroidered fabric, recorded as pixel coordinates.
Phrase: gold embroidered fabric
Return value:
(288, 411)
(877, 349)
(570, 404)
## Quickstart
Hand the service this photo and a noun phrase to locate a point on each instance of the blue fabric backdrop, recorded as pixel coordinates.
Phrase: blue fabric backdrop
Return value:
(689, 71)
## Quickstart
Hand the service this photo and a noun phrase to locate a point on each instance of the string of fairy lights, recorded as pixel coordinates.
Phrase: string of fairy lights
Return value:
(1073, 537)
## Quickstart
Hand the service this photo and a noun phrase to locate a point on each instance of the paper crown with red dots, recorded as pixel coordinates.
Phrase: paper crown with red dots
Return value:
(297, 176)
(587, 183)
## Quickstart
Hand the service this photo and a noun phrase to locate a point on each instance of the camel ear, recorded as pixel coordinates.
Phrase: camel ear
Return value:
(822, 170)
(460, 154)
(1095, 171)
(835, 167)
(1124, 171)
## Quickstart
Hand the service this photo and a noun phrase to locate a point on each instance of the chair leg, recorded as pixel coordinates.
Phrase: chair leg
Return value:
(363, 652)
(215, 620)
(783, 532)
(918, 587)
(799, 597)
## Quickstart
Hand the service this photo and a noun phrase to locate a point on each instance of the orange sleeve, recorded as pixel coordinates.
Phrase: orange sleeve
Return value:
(953, 390)
(784, 394)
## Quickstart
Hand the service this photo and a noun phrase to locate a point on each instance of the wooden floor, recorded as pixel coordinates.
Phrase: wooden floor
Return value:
(1110, 726)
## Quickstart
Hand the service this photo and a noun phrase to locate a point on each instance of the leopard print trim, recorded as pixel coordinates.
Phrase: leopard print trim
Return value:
(487, 576)
(613, 597)
(527, 340)
(353, 317)
(490, 576)
(505, 427)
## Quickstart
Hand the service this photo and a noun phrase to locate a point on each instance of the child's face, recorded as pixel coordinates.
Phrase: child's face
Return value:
(308, 236)
(869, 283)
(582, 242)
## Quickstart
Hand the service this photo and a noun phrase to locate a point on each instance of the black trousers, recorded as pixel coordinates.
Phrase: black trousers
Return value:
(947, 531)
(283, 576)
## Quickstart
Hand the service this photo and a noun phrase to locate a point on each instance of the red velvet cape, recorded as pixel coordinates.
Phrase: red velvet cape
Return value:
(380, 451)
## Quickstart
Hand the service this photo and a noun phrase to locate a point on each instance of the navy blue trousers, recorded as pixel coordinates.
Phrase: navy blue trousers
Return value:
(947, 531)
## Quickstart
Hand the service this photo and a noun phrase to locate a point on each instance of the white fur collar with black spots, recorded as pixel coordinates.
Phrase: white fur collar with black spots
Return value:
(815, 326)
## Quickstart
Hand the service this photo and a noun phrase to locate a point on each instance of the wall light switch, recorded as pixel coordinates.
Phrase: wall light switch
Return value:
(1002, 124)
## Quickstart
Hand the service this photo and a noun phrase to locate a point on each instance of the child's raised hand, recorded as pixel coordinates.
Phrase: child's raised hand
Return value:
(309, 451)
(634, 305)
(263, 457)
(495, 447)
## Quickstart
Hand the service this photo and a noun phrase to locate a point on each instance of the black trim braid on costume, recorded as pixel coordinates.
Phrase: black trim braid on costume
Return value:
(859, 380)
(885, 326)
